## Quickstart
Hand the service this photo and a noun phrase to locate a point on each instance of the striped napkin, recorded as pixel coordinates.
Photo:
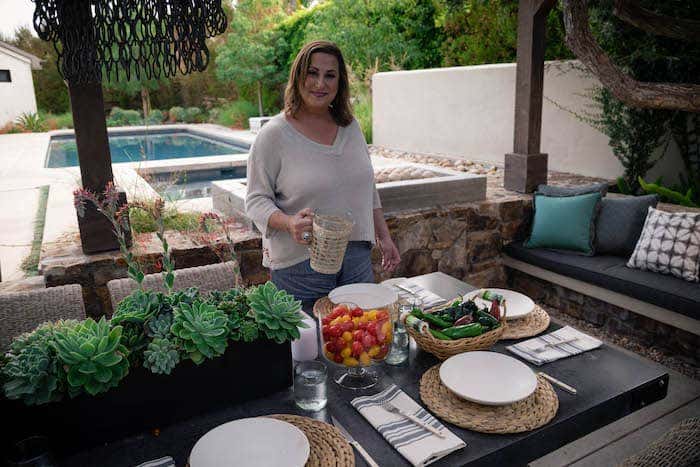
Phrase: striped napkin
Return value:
(166, 461)
(528, 349)
(419, 446)
(408, 288)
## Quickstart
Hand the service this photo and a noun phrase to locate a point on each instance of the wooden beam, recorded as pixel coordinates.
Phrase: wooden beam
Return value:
(526, 167)
(632, 13)
(640, 94)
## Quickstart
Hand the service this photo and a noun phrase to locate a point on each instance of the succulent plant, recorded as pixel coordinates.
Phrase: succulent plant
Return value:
(276, 312)
(202, 329)
(159, 326)
(242, 328)
(188, 295)
(138, 307)
(161, 356)
(31, 371)
(93, 355)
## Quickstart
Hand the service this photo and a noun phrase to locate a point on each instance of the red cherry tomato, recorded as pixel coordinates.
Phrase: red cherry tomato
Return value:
(382, 315)
(372, 328)
(368, 341)
(337, 358)
(326, 331)
(356, 312)
(357, 335)
(340, 343)
(349, 326)
(356, 349)
(362, 326)
(330, 347)
(326, 320)
(335, 331)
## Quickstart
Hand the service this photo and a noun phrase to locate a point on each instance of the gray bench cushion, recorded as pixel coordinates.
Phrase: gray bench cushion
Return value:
(611, 273)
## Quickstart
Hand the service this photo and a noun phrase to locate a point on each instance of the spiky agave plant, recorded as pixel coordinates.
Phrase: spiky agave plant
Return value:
(202, 330)
(92, 354)
(276, 312)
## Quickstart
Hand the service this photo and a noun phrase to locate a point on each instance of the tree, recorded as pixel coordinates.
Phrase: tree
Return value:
(248, 56)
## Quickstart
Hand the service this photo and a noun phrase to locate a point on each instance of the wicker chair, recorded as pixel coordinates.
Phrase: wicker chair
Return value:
(218, 276)
(23, 311)
(679, 447)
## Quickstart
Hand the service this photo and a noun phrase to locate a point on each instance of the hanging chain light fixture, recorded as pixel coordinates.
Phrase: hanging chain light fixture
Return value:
(120, 40)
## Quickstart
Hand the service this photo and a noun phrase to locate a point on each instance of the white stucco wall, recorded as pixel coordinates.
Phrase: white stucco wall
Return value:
(469, 111)
(16, 97)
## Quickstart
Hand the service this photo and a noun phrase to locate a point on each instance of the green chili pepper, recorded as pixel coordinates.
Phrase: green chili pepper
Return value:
(432, 319)
(439, 335)
(486, 320)
(468, 330)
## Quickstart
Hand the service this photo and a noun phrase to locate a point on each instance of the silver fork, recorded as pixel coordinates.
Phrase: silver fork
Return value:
(389, 407)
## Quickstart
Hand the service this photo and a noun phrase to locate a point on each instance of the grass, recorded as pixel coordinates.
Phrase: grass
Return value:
(142, 222)
(30, 264)
(362, 108)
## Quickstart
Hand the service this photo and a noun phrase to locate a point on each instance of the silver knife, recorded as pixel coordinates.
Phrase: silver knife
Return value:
(354, 443)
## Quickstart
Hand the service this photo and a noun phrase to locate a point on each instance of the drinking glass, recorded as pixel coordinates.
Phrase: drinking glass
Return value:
(400, 341)
(310, 385)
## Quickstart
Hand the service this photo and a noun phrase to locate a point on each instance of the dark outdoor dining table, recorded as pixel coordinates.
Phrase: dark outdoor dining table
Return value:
(611, 383)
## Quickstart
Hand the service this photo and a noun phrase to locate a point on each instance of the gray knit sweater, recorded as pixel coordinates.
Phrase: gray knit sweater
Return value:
(289, 172)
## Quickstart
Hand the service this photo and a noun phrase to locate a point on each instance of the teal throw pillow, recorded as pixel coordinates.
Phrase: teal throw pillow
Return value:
(565, 223)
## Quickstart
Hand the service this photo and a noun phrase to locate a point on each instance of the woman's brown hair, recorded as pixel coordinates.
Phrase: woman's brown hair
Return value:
(340, 107)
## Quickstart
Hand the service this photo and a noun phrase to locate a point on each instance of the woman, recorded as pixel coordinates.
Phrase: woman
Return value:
(314, 156)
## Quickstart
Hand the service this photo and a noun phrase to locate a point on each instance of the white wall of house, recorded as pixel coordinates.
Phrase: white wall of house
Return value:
(468, 112)
(16, 97)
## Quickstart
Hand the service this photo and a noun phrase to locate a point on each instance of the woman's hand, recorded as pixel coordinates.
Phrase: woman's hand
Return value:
(390, 254)
(299, 224)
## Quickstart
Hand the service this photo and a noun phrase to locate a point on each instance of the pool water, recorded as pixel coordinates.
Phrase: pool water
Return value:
(63, 152)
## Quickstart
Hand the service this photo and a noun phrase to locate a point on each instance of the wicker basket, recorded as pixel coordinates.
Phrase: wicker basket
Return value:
(329, 241)
(445, 349)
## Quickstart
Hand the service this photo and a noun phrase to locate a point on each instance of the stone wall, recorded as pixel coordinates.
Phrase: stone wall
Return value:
(464, 241)
(614, 319)
(63, 264)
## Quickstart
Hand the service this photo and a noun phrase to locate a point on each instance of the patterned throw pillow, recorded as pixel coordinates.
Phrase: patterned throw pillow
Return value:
(669, 244)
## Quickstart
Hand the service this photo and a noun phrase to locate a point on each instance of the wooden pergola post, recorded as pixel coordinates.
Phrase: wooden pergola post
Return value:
(526, 166)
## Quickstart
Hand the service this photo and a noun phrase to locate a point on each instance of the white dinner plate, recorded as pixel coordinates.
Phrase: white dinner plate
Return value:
(488, 378)
(252, 442)
(517, 304)
(366, 296)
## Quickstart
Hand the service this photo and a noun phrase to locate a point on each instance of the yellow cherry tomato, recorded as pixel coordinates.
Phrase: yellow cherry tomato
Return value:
(372, 315)
(347, 336)
(373, 351)
(350, 361)
(386, 328)
(346, 352)
(365, 359)
(356, 321)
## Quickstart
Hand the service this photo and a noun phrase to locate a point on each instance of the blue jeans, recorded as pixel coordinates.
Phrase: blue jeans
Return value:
(308, 285)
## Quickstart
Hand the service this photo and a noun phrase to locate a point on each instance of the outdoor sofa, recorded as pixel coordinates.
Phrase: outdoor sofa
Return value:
(606, 277)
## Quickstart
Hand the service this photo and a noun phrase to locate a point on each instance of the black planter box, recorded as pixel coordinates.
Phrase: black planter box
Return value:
(144, 401)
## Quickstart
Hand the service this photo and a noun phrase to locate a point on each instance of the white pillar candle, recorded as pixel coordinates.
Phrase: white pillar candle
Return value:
(306, 347)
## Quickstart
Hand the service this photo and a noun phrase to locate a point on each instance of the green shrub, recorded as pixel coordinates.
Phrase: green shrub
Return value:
(155, 117)
(363, 113)
(176, 114)
(236, 114)
(124, 117)
(193, 115)
(59, 121)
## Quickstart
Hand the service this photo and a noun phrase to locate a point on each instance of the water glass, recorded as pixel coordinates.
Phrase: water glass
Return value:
(400, 342)
(310, 385)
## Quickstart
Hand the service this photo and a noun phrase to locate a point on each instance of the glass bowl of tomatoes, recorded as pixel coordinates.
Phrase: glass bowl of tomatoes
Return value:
(354, 339)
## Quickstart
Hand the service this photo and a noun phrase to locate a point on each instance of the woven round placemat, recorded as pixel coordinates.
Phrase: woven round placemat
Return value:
(531, 325)
(528, 414)
(328, 447)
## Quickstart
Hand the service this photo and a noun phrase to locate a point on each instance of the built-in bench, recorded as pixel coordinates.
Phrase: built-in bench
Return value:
(662, 309)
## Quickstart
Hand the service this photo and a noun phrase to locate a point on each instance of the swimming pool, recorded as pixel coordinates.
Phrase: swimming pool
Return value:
(144, 146)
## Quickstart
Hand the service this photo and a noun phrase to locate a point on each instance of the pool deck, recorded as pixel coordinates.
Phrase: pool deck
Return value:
(22, 174)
